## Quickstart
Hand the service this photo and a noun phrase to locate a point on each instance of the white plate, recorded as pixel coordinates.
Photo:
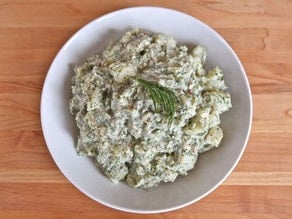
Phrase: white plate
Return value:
(60, 132)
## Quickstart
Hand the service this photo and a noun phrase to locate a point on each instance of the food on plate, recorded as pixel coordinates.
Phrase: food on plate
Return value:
(146, 108)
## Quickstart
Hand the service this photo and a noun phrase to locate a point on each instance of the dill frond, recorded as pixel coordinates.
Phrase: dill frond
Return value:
(164, 99)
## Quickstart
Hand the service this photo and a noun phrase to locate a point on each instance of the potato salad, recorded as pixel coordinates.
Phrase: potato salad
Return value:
(146, 108)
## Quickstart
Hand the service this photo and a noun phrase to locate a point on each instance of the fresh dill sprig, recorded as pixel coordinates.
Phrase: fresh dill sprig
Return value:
(163, 98)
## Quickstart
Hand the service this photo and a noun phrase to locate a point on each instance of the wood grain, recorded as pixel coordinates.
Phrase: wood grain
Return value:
(32, 32)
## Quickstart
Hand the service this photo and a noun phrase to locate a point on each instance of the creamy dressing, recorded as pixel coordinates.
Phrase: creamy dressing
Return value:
(115, 115)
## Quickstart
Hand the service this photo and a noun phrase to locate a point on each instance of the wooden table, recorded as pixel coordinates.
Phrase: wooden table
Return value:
(32, 32)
